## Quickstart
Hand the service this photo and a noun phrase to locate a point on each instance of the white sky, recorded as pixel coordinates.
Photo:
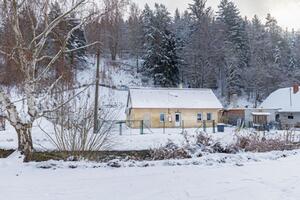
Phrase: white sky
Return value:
(287, 12)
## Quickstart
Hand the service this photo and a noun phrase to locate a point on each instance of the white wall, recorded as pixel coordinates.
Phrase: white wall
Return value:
(291, 122)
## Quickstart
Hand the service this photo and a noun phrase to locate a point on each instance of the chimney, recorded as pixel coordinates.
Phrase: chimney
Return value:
(180, 86)
(234, 100)
(295, 88)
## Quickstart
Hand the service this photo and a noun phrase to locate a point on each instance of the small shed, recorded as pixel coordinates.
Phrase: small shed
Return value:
(233, 116)
(260, 120)
(259, 117)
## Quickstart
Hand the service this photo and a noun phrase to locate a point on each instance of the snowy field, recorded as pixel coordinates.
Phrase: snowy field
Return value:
(273, 177)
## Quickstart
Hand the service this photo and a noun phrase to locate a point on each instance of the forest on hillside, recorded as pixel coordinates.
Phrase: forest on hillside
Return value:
(198, 47)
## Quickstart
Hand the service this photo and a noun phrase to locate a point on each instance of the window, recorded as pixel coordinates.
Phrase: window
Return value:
(199, 117)
(290, 117)
(209, 116)
(162, 117)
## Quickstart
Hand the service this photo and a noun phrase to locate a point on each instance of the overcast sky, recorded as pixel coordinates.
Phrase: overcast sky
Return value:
(287, 12)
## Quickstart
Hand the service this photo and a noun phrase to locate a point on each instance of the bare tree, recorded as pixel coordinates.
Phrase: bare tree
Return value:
(73, 126)
(29, 55)
(113, 23)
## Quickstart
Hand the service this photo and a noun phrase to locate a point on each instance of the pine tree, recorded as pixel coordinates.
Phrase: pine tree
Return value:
(236, 45)
(200, 46)
(77, 40)
(74, 60)
(234, 29)
(166, 71)
(160, 60)
(135, 35)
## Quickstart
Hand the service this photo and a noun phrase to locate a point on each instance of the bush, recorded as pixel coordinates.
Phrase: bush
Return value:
(169, 151)
(203, 139)
(257, 143)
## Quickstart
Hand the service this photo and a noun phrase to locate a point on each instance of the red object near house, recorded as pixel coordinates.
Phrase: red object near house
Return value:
(295, 88)
(232, 116)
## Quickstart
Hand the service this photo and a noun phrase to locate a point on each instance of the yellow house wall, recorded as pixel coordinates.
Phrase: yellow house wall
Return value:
(188, 117)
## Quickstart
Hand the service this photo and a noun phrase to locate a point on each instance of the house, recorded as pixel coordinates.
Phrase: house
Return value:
(286, 103)
(172, 108)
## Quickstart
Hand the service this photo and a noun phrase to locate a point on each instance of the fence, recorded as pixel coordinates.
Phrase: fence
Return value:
(268, 126)
(145, 127)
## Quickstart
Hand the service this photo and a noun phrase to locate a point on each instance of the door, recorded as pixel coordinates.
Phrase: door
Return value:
(177, 119)
(147, 120)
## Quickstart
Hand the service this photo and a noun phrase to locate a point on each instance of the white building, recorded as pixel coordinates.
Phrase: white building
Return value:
(286, 102)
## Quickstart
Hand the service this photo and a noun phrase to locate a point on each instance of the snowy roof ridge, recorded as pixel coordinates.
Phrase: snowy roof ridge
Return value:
(184, 98)
(168, 88)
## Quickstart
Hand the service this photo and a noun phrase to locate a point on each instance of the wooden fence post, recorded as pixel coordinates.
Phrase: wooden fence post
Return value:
(142, 127)
(214, 126)
(120, 128)
(204, 126)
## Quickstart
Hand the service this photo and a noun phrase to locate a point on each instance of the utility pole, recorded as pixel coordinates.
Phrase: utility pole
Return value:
(97, 93)
(291, 102)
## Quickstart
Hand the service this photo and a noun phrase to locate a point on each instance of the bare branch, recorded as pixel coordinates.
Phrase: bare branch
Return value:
(62, 104)
(53, 24)
(83, 47)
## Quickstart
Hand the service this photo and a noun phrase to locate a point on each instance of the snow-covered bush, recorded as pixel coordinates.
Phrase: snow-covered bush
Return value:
(169, 151)
(256, 142)
(203, 139)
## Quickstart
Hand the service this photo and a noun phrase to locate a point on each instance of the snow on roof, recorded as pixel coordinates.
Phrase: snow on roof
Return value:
(284, 100)
(174, 98)
(261, 113)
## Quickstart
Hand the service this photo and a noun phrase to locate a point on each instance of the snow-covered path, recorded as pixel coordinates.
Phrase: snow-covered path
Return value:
(276, 180)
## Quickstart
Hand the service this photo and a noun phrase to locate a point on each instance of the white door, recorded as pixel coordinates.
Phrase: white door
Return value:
(177, 119)
(147, 120)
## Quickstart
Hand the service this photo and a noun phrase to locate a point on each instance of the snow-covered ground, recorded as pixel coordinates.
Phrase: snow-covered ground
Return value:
(131, 139)
(117, 74)
(276, 177)
(253, 176)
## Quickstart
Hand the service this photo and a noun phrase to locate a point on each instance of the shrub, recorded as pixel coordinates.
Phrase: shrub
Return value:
(169, 151)
(260, 143)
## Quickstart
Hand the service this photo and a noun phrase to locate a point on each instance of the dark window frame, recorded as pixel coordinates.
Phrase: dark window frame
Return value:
(201, 115)
(209, 116)
(162, 117)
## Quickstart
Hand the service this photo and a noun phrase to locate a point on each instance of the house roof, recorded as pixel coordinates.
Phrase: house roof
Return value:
(174, 98)
(284, 100)
(261, 113)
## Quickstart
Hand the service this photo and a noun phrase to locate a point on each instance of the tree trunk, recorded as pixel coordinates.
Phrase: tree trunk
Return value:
(137, 63)
(25, 145)
(114, 55)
